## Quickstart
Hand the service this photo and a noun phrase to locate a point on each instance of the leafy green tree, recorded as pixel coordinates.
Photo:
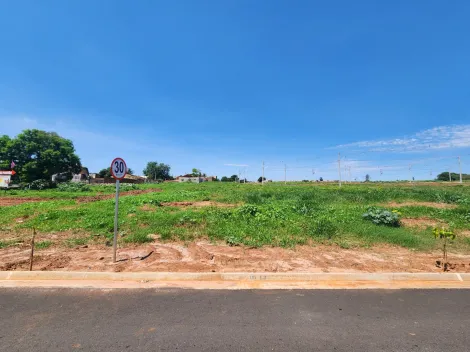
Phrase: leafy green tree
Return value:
(105, 173)
(224, 179)
(38, 155)
(5, 152)
(444, 176)
(196, 172)
(261, 179)
(157, 171)
(367, 178)
(130, 171)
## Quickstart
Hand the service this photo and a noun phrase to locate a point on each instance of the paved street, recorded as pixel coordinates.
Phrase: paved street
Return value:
(196, 320)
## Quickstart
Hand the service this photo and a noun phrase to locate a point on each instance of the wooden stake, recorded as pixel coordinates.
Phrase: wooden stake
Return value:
(32, 251)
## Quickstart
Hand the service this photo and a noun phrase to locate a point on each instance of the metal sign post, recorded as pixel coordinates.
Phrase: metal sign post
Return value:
(119, 171)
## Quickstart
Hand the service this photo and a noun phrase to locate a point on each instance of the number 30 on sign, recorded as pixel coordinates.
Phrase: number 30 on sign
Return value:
(118, 168)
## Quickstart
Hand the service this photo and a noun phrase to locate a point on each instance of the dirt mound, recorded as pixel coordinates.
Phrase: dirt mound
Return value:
(204, 203)
(203, 256)
(422, 204)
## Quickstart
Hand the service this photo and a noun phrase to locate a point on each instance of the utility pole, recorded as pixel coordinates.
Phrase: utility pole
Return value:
(262, 177)
(339, 168)
(285, 173)
(409, 172)
(450, 178)
(460, 170)
(244, 178)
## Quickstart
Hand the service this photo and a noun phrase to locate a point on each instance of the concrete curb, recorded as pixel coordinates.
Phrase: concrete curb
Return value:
(232, 280)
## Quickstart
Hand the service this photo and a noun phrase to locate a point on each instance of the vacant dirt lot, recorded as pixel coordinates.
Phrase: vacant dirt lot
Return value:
(203, 256)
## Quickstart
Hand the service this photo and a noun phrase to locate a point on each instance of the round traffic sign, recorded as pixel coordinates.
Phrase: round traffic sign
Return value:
(118, 168)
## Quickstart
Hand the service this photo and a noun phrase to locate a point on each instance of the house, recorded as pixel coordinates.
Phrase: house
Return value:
(82, 176)
(195, 179)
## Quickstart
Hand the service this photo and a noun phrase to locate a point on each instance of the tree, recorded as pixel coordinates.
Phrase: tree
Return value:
(224, 179)
(105, 173)
(5, 152)
(157, 171)
(261, 179)
(444, 176)
(195, 172)
(367, 178)
(234, 178)
(130, 171)
(38, 155)
(321, 179)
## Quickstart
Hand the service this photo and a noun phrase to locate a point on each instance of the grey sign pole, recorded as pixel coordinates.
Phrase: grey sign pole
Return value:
(116, 211)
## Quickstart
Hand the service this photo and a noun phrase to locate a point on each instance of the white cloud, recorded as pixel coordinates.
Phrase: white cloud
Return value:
(443, 137)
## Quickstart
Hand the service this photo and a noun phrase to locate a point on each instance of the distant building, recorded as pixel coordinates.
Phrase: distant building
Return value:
(82, 176)
(195, 179)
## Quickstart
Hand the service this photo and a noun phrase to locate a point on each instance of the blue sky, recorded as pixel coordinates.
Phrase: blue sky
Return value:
(209, 83)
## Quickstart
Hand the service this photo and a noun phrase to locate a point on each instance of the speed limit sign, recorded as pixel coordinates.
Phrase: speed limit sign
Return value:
(119, 171)
(118, 168)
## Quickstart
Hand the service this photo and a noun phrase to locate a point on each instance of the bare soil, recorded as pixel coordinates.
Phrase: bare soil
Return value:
(8, 201)
(422, 204)
(203, 256)
(422, 223)
(4, 202)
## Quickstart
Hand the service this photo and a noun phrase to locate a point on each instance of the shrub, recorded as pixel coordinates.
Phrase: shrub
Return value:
(128, 186)
(73, 187)
(382, 217)
(40, 184)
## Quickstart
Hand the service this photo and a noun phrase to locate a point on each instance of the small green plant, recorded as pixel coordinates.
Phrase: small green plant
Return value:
(445, 235)
(42, 244)
(232, 241)
(248, 210)
(323, 227)
(382, 217)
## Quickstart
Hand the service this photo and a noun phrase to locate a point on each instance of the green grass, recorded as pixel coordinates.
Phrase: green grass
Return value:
(42, 244)
(274, 214)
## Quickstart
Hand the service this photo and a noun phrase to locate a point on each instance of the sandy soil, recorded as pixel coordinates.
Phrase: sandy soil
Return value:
(422, 223)
(422, 204)
(8, 201)
(204, 256)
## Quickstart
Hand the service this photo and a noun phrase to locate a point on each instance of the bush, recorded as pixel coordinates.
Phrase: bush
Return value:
(73, 187)
(40, 184)
(382, 217)
(128, 186)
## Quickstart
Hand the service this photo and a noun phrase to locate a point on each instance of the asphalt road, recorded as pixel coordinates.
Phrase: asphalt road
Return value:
(189, 320)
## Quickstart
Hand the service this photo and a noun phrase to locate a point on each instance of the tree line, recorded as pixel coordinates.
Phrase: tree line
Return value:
(36, 155)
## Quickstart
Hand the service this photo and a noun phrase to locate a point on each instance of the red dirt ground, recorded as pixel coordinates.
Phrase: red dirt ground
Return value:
(8, 201)
(203, 256)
